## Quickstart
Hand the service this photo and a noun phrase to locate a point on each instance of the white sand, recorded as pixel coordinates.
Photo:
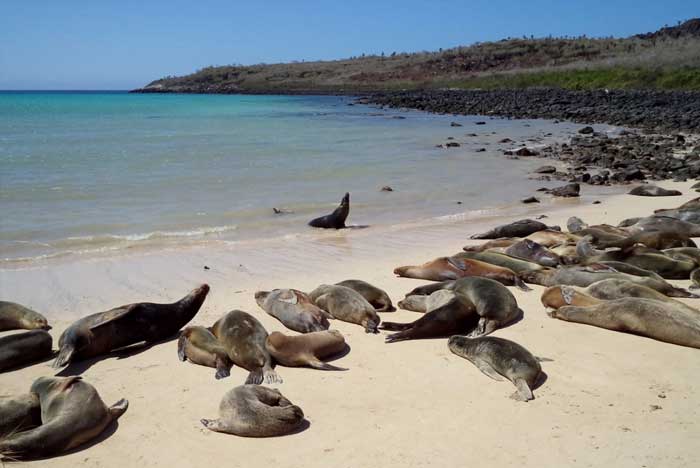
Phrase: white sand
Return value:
(404, 404)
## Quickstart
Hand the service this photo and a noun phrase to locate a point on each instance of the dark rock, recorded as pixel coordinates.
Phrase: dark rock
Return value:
(452, 144)
(506, 140)
(648, 190)
(386, 188)
(526, 152)
(481, 150)
(570, 190)
(586, 130)
(530, 200)
(206, 267)
(597, 202)
(480, 123)
(545, 170)
(455, 124)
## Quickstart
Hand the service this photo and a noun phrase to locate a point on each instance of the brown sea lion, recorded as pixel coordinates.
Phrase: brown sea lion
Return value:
(533, 252)
(379, 299)
(243, 338)
(562, 295)
(495, 244)
(255, 411)
(103, 332)
(72, 413)
(306, 350)
(518, 265)
(294, 309)
(659, 240)
(24, 348)
(200, 346)
(19, 413)
(335, 220)
(551, 238)
(347, 305)
(15, 316)
(660, 320)
(521, 228)
(498, 357)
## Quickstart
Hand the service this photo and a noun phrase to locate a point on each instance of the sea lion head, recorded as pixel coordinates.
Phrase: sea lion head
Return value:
(261, 296)
(34, 321)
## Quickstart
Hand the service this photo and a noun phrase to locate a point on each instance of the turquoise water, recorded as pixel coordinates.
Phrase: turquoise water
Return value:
(94, 171)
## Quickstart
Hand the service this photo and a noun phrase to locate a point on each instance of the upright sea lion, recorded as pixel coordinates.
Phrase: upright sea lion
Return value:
(660, 320)
(647, 190)
(244, 337)
(306, 350)
(15, 316)
(335, 220)
(379, 299)
(19, 413)
(24, 348)
(521, 228)
(200, 346)
(533, 252)
(498, 357)
(294, 309)
(347, 305)
(72, 413)
(256, 411)
(103, 332)
(426, 303)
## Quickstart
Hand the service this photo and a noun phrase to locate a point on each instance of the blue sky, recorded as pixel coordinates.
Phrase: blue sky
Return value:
(102, 44)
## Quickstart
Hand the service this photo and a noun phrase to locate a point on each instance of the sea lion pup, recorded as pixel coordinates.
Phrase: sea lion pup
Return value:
(426, 303)
(495, 244)
(521, 228)
(660, 320)
(647, 190)
(255, 411)
(72, 413)
(19, 413)
(294, 309)
(24, 348)
(200, 346)
(550, 238)
(243, 338)
(103, 332)
(498, 357)
(335, 220)
(307, 349)
(659, 240)
(15, 316)
(533, 252)
(347, 305)
(379, 299)
(447, 268)
(457, 316)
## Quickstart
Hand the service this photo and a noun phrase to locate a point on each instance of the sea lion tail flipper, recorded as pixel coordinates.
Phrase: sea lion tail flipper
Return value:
(223, 369)
(400, 336)
(65, 354)
(117, 409)
(543, 359)
(524, 392)
(181, 343)
(255, 377)
(393, 326)
(486, 368)
(320, 365)
(520, 284)
(211, 424)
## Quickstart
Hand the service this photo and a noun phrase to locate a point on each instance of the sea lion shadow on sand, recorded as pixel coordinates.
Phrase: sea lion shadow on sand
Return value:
(339, 355)
(43, 360)
(304, 425)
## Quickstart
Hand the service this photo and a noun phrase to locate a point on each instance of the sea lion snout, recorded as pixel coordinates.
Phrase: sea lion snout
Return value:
(203, 289)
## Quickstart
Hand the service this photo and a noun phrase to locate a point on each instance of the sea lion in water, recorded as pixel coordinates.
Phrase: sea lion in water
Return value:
(103, 332)
(306, 350)
(200, 346)
(347, 305)
(533, 252)
(498, 357)
(244, 337)
(335, 220)
(72, 413)
(294, 309)
(379, 299)
(426, 303)
(15, 316)
(24, 348)
(19, 413)
(255, 411)
(660, 320)
(521, 228)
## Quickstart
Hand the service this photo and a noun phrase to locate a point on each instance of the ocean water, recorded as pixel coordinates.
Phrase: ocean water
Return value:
(88, 172)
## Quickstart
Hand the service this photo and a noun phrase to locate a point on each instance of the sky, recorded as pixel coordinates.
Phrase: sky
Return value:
(105, 44)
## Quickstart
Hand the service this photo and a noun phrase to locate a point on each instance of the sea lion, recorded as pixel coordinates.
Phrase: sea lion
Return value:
(255, 411)
(426, 303)
(562, 295)
(347, 305)
(495, 244)
(659, 240)
(306, 350)
(448, 268)
(200, 346)
(551, 238)
(379, 299)
(495, 304)
(660, 320)
(521, 228)
(457, 316)
(243, 338)
(429, 289)
(294, 309)
(72, 413)
(648, 190)
(498, 357)
(15, 316)
(533, 252)
(684, 253)
(24, 348)
(19, 413)
(606, 290)
(103, 332)
(567, 254)
(665, 223)
(518, 265)
(695, 279)
(335, 220)
(575, 223)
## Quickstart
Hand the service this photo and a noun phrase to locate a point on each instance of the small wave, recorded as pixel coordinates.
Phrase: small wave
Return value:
(201, 232)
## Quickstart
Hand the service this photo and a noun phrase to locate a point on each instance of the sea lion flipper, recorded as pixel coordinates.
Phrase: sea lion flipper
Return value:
(181, 344)
(255, 377)
(117, 409)
(271, 376)
(486, 368)
(521, 284)
(524, 392)
(320, 365)
(394, 326)
(116, 314)
(65, 354)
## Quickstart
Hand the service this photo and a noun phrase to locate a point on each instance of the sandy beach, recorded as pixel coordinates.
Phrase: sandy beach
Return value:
(610, 399)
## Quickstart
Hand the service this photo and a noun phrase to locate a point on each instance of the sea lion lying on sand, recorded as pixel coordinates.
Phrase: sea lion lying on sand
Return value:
(306, 350)
(20, 349)
(533, 252)
(294, 309)
(379, 299)
(15, 316)
(347, 305)
(521, 228)
(200, 346)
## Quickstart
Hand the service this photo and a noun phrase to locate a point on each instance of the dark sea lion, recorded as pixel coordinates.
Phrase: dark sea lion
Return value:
(457, 316)
(521, 228)
(495, 304)
(15, 316)
(496, 244)
(19, 413)
(335, 220)
(693, 204)
(665, 223)
(347, 305)
(294, 309)
(72, 413)
(427, 303)
(695, 279)
(498, 357)
(244, 337)
(256, 411)
(664, 321)
(103, 332)
(659, 240)
(429, 289)
(648, 190)
(306, 350)
(24, 348)
(689, 211)
(379, 299)
(199, 346)
(533, 252)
